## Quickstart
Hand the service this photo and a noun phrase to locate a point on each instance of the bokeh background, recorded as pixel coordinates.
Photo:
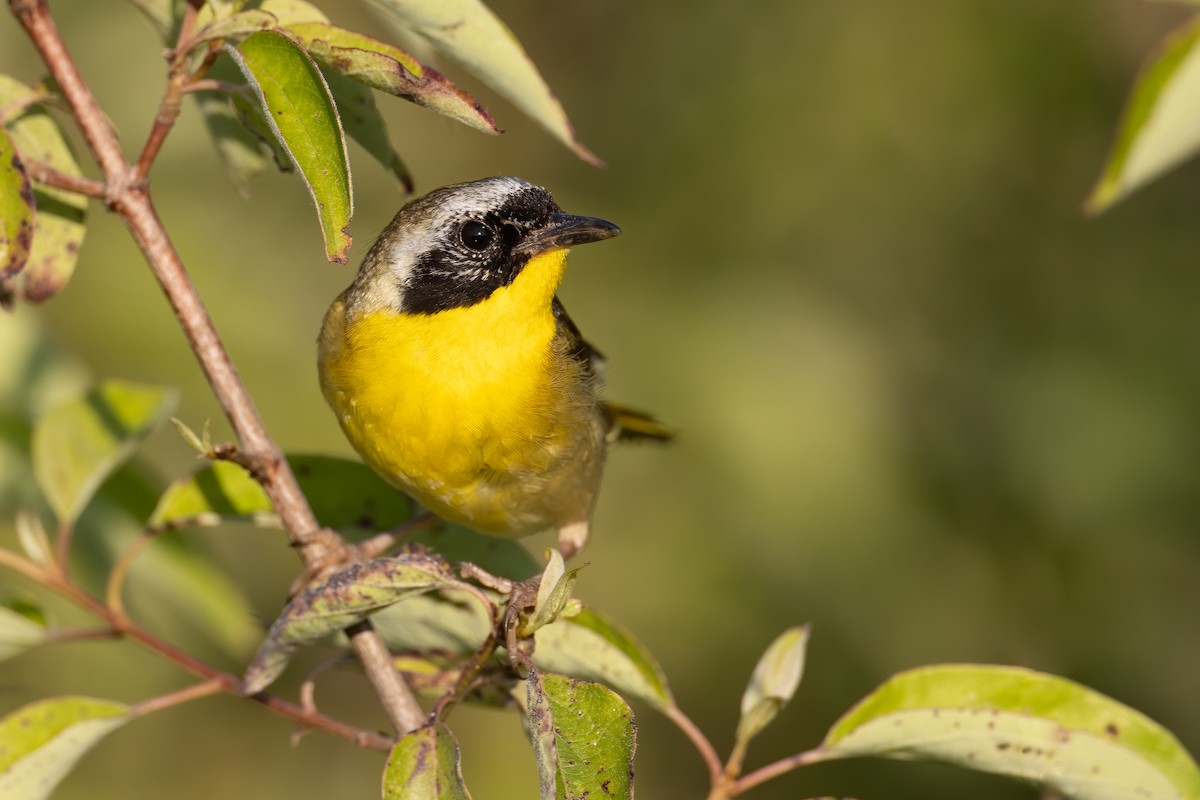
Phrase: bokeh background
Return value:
(923, 402)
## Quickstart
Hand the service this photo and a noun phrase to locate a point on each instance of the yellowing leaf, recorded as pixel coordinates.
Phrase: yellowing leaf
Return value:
(1160, 127)
(468, 32)
(425, 765)
(1022, 723)
(58, 225)
(16, 210)
(41, 742)
(22, 626)
(297, 104)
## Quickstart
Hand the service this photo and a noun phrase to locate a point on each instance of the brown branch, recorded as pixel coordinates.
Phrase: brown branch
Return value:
(172, 100)
(121, 626)
(129, 197)
(776, 769)
(49, 176)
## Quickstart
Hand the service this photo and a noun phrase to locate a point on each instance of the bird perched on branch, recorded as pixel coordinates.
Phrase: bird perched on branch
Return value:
(456, 373)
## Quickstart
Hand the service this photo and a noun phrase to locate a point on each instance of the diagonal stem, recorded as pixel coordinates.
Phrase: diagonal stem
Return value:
(128, 196)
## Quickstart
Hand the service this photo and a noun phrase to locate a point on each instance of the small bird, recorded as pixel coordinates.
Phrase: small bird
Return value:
(456, 373)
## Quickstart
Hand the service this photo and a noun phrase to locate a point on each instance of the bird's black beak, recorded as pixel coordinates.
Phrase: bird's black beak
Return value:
(566, 230)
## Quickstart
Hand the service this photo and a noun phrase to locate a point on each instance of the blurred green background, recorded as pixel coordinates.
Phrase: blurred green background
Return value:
(923, 402)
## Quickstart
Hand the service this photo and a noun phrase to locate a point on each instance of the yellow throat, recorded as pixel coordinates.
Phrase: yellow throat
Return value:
(476, 411)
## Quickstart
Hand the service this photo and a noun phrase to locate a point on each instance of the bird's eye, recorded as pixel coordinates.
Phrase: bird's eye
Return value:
(476, 236)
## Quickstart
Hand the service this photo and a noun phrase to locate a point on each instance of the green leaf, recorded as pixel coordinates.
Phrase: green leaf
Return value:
(345, 495)
(554, 591)
(41, 742)
(296, 102)
(239, 149)
(468, 32)
(773, 683)
(249, 115)
(594, 647)
(584, 738)
(425, 765)
(364, 124)
(344, 599)
(237, 26)
(76, 445)
(58, 225)
(1022, 723)
(22, 626)
(16, 210)
(1160, 126)
(448, 622)
(389, 69)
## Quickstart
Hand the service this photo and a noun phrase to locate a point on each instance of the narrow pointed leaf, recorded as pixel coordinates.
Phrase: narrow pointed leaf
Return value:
(22, 626)
(41, 742)
(775, 680)
(1017, 722)
(364, 124)
(554, 593)
(1160, 126)
(296, 102)
(593, 646)
(58, 225)
(389, 69)
(31, 533)
(346, 598)
(468, 32)
(16, 210)
(584, 738)
(425, 765)
(77, 445)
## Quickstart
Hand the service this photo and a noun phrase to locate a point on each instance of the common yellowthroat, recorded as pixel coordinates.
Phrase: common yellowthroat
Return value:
(456, 373)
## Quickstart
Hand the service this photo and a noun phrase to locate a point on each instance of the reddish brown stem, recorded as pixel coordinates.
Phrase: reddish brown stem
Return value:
(128, 196)
(776, 769)
(61, 584)
(49, 176)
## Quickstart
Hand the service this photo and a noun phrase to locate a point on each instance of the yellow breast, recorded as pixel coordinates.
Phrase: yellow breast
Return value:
(477, 412)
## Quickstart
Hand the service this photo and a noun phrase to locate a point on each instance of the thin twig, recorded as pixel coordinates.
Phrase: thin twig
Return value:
(211, 85)
(194, 692)
(49, 176)
(774, 770)
(699, 741)
(23, 566)
(375, 657)
(128, 196)
(380, 543)
(120, 570)
(170, 105)
(63, 585)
